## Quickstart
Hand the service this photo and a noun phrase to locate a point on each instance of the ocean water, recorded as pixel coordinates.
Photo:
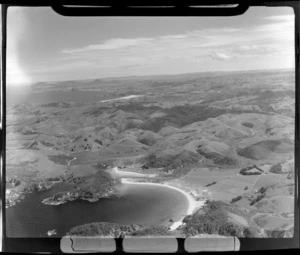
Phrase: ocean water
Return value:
(139, 204)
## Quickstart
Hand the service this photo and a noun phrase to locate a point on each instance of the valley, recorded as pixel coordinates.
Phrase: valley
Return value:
(225, 139)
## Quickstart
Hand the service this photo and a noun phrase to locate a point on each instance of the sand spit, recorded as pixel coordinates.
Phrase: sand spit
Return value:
(116, 173)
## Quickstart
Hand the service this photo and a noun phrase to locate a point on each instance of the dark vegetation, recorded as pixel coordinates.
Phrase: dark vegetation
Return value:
(97, 186)
(148, 142)
(153, 231)
(280, 233)
(235, 199)
(117, 231)
(60, 159)
(262, 149)
(103, 229)
(257, 199)
(29, 132)
(98, 141)
(188, 114)
(96, 112)
(47, 144)
(171, 161)
(252, 153)
(210, 184)
(36, 185)
(213, 219)
(156, 124)
(138, 108)
(261, 194)
(247, 124)
(56, 178)
(177, 116)
(246, 170)
(271, 144)
(277, 169)
(90, 188)
(77, 139)
(70, 178)
(262, 190)
(266, 97)
(217, 158)
(102, 165)
(32, 145)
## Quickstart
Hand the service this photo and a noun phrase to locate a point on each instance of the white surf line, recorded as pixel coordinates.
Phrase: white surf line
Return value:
(121, 98)
(193, 205)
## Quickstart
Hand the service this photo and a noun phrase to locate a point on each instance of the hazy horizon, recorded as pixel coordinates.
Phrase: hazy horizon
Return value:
(152, 75)
(43, 46)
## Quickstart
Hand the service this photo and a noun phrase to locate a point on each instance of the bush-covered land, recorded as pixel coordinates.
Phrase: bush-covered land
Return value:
(90, 188)
(115, 230)
(213, 219)
(277, 169)
(235, 199)
(177, 116)
(103, 229)
(60, 159)
(217, 158)
(153, 231)
(210, 184)
(171, 161)
(246, 170)
(261, 194)
(247, 124)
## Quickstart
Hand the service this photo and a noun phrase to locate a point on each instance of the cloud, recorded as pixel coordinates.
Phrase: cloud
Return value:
(112, 44)
(243, 51)
(172, 37)
(195, 38)
(280, 18)
(220, 56)
(278, 24)
(192, 47)
(255, 50)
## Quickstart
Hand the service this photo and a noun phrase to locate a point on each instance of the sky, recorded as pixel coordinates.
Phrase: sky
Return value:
(45, 46)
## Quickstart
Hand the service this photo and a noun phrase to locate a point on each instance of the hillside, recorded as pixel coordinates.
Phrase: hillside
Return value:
(195, 131)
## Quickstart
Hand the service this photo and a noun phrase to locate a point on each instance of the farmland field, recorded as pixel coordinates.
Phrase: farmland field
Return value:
(173, 130)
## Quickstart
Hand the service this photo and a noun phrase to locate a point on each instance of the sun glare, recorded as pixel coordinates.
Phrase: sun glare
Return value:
(15, 74)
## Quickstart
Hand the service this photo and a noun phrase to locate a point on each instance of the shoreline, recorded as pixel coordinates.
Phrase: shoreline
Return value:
(193, 205)
(116, 173)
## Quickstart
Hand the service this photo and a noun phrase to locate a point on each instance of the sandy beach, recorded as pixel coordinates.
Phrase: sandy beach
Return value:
(129, 178)
(193, 205)
(116, 173)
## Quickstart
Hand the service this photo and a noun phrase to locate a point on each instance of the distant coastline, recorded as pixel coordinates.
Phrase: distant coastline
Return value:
(148, 76)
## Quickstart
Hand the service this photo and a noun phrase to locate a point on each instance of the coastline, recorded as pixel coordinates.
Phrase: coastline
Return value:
(193, 205)
(116, 173)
